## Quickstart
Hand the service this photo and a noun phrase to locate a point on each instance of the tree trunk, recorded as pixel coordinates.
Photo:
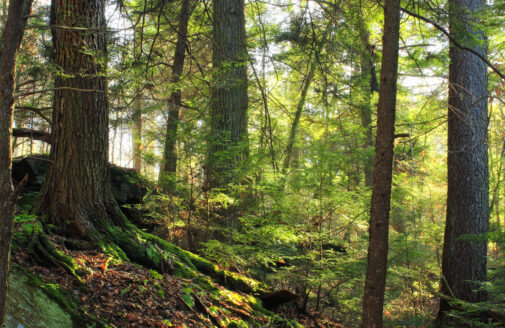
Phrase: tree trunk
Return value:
(465, 245)
(11, 40)
(169, 167)
(298, 114)
(373, 299)
(137, 132)
(76, 195)
(137, 102)
(228, 145)
(368, 76)
(301, 102)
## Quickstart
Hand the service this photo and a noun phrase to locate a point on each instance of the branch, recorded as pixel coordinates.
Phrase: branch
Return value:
(36, 110)
(456, 43)
(34, 134)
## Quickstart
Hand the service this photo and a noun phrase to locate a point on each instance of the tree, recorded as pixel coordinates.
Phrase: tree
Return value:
(76, 195)
(301, 102)
(370, 85)
(465, 246)
(137, 101)
(373, 299)
(228, 109)
(11, 40)
(169, 165)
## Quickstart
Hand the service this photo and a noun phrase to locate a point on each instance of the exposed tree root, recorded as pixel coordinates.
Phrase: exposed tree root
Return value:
(131, 243)
(44, 252)
(156, 253)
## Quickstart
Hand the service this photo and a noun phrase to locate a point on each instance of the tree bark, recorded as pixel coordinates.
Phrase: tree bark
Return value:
(373, 299)
(228, 145)
(33, 134)
(465, 245)
(76, 195)
(369, 86)
(169, 167)
(11, 39)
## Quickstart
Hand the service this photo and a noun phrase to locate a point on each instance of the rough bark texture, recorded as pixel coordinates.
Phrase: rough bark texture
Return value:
(169, 168)
(373, 298)
(228, 114)
(370, 85)
(11, 40)
(76, 195)
(464, 259)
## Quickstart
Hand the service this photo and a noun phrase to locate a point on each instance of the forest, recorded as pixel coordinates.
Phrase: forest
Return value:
(260, 163)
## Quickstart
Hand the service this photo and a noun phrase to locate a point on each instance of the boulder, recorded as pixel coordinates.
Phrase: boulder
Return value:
(128, 187)
(29, 306)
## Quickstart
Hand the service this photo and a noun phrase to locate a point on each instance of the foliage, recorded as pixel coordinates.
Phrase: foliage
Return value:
(305, 229)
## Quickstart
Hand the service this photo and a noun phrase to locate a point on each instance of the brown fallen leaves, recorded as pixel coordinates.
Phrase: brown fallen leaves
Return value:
(128, 295)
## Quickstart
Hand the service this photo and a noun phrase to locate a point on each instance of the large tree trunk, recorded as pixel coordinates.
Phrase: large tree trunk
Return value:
(76, 195)
(373, 299)
(228, 145)
(11, 40)
(169, 167)
(465, 246)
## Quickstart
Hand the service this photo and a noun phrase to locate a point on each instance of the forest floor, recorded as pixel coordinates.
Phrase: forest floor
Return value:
(124, 294)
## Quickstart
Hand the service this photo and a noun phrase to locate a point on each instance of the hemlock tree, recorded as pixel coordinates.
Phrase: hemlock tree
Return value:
(465, 248)
(169, 165)
(76, 195)
(368, 85)
(373, 299)
(11, 39)
(228, 145)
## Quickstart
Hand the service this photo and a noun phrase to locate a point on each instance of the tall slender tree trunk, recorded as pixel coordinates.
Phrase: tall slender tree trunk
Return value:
(137, 102)
(137, 132)
(169, 167)
(369, 85)
(11, 39)
(465, 245)
(298, 114)
(76, 195)
(373, 299)
(228, 145)
(301, 102)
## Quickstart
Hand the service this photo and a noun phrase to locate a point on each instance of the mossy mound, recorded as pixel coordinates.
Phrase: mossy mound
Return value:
(32, 303)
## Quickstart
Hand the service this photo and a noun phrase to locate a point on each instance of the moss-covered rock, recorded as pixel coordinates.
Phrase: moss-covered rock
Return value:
(30, 306)
(32, 303)
(128, 187)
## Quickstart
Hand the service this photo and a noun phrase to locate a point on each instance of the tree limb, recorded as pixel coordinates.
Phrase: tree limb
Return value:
(456, 43)
(36, 110)
(34, 134)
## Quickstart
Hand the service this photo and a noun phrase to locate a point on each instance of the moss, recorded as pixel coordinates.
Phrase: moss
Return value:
(36, 304)
(43, 250)
(195, 262)
(112, 249)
